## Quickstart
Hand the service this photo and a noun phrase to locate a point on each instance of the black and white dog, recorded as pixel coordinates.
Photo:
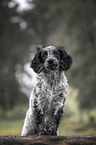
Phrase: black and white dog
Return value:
(49, 94)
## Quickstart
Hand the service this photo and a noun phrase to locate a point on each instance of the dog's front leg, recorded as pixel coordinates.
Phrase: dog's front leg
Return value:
(30, 124)
(39, 118)
(50, 127)
(29, 127)
(57, 116)
(54, 122)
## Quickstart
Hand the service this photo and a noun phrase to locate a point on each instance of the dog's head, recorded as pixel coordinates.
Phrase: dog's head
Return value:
(51, 58)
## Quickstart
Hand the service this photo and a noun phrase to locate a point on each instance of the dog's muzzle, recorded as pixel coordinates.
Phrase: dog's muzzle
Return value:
(51, 64)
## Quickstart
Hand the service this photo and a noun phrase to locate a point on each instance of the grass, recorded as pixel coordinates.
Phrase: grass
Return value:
(11, 122)
(74, 128)
(10, 127)
(68, 127)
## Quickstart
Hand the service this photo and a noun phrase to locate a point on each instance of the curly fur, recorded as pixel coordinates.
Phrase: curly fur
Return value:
(48, 97)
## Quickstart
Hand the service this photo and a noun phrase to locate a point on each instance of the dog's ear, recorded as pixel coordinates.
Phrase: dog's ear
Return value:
(36, 63)
(39, 47)
(65, 59)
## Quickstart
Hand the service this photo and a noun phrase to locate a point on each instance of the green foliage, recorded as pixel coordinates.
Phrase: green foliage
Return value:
(76, 31)
(49, 22)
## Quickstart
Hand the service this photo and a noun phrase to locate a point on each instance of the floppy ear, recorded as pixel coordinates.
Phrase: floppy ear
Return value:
(39, 47)
(65, 59)
(36, 63)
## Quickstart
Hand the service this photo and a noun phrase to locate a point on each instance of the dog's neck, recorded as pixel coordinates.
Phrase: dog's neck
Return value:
(52, 78)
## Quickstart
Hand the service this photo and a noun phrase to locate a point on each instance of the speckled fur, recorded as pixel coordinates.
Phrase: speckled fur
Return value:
(48, 97)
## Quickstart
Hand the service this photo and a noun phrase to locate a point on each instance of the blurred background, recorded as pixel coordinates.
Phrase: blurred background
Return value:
(24, 24)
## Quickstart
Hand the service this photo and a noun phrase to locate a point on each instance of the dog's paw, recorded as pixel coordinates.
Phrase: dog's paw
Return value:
(47, 129)
(52, 129)
(43, 129)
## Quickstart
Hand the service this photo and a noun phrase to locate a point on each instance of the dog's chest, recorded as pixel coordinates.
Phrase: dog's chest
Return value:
(48, 97)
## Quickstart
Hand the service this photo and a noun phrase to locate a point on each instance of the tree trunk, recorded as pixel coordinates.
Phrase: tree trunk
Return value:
(48, 140)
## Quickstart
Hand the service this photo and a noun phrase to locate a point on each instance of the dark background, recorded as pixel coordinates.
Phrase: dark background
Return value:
(70, 23)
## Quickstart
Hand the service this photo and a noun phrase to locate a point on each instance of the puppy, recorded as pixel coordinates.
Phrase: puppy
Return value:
(47, 101)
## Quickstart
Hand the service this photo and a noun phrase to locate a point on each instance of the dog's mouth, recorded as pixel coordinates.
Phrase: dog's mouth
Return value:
(52, 66)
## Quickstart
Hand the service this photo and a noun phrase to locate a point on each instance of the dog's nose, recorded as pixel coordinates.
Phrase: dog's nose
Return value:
(50, 61)
(51, 64)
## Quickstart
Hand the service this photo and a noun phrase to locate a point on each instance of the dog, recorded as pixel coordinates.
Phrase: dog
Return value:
(47, 100)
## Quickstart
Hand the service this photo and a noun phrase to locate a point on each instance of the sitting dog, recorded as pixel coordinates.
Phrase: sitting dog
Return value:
(48, 97)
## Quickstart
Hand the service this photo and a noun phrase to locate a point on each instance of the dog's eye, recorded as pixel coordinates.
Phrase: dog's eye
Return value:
(44, 55)
(57, 54)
